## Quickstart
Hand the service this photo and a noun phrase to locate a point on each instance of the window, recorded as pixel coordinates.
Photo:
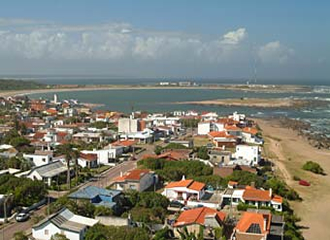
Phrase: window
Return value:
(132, 187)
(44, 159)
(46, 231)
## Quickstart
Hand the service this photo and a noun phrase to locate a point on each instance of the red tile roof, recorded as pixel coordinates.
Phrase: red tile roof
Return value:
(135, 174)
(252, 131)
(125, 143)
(253, 194)
(197, 215)
(190, 184)
(250, 218)
(88, 156)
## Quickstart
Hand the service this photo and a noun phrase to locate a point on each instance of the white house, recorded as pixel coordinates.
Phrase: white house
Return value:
(237, 117)
(248, 153)
(205, 127)
(209, 116)
(40, 158)
(184, 190)
(128, 125)
(47, 172)
(106, 156)
(64, 222)
(145, 136)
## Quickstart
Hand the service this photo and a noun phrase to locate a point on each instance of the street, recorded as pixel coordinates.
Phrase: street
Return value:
(104, 180)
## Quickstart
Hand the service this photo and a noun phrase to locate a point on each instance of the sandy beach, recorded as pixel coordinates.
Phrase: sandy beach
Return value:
(63, 88)
(289, 152)
(252, 102)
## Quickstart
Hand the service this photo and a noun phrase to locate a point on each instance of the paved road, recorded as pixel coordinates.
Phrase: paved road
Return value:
(8, 232)
(103, 181)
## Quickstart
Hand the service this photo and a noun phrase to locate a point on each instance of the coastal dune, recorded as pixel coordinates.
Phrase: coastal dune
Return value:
(290, 151)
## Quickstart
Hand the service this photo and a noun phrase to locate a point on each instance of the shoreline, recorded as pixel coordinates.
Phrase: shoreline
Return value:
(289, 151)
(278, 89)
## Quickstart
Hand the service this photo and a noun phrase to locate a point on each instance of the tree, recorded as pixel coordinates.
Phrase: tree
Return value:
(70, 154)
(203, 153)
(20, 236)
(58, 236)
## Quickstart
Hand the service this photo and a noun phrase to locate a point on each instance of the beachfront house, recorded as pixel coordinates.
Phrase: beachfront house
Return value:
(247, 154)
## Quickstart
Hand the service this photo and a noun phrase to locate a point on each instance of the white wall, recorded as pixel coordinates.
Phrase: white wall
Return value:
(127, 125)
(39, 160)
(203, 128)
(250, 153)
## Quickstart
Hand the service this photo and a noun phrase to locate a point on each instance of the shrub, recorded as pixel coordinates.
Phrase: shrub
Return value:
(313, 167)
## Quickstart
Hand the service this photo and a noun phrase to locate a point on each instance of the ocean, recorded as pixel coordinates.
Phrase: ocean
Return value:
(164, 100)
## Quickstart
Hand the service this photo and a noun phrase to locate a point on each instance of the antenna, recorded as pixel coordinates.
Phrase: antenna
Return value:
(255, 70)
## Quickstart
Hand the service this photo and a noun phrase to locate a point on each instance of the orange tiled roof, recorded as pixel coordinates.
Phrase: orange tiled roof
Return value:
(189, 183)
(197, 215)
(232, 128)
(88, 156)
(252, 131)
(182, 183)
(250, 218)
(278, 199)
(253, 194)
(125, 143)
(135, 174)
(215, 134)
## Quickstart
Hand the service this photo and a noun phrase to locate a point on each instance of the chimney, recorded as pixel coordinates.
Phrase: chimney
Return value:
(270, 192)
(183, 177)
(121, 173)
(265, 224)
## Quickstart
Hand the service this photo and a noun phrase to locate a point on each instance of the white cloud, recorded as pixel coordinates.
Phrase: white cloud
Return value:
(275, 52)
(234, 37)
(29, 39)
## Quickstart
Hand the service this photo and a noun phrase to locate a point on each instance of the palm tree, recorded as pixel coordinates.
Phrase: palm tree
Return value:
(70, 154)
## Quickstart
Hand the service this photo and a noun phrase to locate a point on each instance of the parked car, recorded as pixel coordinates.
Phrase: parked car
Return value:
(22, 217)
(304, 183)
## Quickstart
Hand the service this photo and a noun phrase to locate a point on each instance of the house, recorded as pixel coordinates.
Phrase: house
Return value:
(88, 137)
(87, 160)
(106, 156)
(219, 157)
(175, 154)
(250, 154)
(7, 151)
(193, 219)
(222, 139)
(252, 196)
(184, 190)
(209, 116)
(39, 158)
(145, 136)
(252, 226)
(249, 135)
(47, 172)
(208, 126)
(137, 179)
(128, 125)
(63, 222)
(98, 196)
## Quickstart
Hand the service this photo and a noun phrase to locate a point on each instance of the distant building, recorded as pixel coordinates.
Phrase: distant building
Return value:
(128, 125)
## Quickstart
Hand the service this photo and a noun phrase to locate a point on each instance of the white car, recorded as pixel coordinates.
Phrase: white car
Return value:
(22, 217)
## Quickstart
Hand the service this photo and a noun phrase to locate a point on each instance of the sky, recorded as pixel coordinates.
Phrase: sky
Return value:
(166, 39)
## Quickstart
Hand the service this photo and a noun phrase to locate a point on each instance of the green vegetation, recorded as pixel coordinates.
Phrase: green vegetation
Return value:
(20, 236)
(158, 149)
(101, 232)
(279, 187)
(25, 191)
(190, 123)
(313, 167)
(58, 236)
(84, 208)
(19, 85)
(147, 207)
(202, 153)
(101, 125)
(15, 162)
(173, 171)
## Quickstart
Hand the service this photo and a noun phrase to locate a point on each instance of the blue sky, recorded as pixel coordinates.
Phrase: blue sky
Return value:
(208, 39)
